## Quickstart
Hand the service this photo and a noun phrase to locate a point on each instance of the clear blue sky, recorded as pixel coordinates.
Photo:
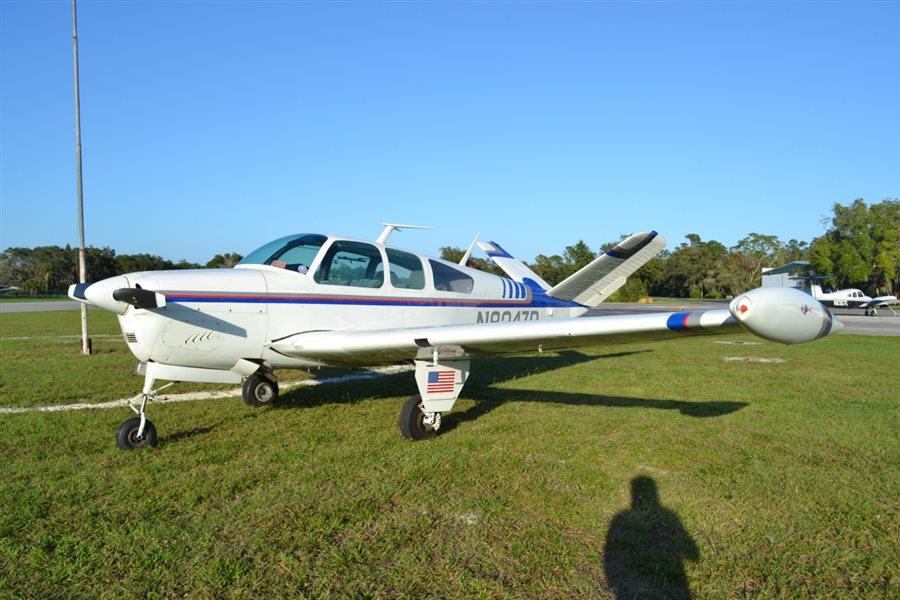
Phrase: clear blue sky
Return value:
(213, 127)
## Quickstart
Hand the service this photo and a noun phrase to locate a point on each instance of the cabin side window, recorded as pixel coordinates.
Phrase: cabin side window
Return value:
(353, 264)
(449, 279)
(406, 270)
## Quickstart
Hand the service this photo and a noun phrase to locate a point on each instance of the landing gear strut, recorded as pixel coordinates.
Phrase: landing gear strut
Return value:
(138, 432)
(260, 389)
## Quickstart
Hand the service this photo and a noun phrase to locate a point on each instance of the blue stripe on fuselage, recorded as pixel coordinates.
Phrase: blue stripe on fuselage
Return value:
(537, 300)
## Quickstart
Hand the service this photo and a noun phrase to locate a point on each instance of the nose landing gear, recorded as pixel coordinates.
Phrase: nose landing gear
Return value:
(138, 432)
(260, 388)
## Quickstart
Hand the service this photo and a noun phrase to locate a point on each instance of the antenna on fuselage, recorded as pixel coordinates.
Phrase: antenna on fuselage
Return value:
(390, 227)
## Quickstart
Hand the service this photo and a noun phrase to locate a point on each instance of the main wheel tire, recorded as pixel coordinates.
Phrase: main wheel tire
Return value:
(412, 424)
(259, 391)
(127, 434)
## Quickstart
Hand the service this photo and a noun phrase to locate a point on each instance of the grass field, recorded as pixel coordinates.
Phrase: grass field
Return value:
(648, 470)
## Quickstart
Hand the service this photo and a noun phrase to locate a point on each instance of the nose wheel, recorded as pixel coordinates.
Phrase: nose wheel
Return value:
(138, 431)
(131, 436)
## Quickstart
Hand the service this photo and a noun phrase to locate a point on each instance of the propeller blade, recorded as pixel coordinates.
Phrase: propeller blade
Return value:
(140, 298)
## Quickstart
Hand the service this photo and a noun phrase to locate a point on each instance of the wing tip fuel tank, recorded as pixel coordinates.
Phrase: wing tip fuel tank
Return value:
(784, 315)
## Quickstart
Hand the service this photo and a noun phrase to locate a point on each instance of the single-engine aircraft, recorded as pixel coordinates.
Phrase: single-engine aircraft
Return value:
(844, 298)
(851, 298)
(311, 300)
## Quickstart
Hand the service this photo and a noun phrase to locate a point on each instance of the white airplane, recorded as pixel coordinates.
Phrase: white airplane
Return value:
(313, 300)
(851, 298)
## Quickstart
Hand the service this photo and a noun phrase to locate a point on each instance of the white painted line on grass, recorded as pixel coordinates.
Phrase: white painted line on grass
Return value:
(59, 338)
(194, 396)
(754, 359)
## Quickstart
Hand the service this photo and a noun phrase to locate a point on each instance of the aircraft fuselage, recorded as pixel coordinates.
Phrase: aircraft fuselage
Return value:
(215, 317)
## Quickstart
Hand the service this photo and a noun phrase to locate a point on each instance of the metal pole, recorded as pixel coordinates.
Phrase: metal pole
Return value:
(82, 270)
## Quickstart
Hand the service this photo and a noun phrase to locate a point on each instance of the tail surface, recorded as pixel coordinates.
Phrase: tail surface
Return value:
(597, 281)
(515, 268)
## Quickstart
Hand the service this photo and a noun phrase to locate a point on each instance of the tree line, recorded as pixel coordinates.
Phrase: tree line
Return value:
(861, 248)
(51, 269)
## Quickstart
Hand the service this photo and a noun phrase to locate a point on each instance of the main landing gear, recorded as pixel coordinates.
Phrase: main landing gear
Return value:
(439, 382)
(260, 389)
(415, 423)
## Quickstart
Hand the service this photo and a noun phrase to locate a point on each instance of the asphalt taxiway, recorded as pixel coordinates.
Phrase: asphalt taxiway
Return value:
(20, 307)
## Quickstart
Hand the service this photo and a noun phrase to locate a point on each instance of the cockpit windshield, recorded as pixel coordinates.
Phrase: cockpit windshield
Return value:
(293, 252)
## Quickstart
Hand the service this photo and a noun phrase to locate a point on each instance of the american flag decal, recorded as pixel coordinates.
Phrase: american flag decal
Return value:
(440, 382)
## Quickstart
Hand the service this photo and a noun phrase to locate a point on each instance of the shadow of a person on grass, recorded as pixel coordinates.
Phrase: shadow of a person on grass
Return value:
(645, 548)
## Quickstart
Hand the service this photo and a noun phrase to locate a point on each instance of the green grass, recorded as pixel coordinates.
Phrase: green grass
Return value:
(774, 480)
(42, 363)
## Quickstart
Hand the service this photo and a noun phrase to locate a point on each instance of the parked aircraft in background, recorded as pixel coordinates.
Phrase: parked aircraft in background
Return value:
(312, 300)
(808, 282)
(851, 298)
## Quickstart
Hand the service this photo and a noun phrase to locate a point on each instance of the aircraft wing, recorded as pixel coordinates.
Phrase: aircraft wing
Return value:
(461, 341)
(780, 314)
(883, 301)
